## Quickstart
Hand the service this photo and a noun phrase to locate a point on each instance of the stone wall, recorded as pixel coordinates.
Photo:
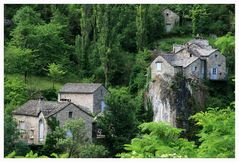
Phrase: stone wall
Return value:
(217, 60)
(63, 115)
(166, 69)
(190, 70)
(85, 100)
(32, 126)
(171, 19)
(99, 95)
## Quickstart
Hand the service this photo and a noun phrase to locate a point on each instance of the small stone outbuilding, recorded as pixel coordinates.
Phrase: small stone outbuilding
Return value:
(171, 19)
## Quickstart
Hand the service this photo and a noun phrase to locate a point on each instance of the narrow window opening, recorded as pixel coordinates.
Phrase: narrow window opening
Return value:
(70, 114)
(102, 106)
(41, 130)
(214, 71)
(158, 66)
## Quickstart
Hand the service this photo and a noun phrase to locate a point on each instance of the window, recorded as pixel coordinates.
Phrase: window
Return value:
(167, 14)
(158, 66)
(31, 134)
(70, 114)
(190, 55)
(101, 92)
(194, 68)
(21, 125)
(216, 55)
(69, 133)
(219, 65)
(102, 106)
(214, 71)
(41, 130)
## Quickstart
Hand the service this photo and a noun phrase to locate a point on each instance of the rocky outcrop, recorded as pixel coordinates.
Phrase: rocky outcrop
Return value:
(175, 100)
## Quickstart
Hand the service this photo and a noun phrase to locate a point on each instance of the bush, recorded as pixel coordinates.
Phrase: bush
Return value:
(22, 148)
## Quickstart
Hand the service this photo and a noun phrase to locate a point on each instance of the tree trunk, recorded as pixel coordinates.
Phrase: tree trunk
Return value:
(25, 77)
(53, 84)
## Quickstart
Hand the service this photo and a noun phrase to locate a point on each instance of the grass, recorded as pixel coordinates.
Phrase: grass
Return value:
(166, 44)
(36, 82)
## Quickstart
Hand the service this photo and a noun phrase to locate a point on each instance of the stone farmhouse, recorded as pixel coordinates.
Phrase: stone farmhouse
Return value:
(75, 100)
(195, 59)
(171, 19)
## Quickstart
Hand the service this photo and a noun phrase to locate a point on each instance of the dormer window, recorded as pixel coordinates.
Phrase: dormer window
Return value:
(159, 66)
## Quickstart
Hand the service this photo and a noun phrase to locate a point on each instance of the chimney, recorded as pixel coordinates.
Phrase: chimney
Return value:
(40, 104)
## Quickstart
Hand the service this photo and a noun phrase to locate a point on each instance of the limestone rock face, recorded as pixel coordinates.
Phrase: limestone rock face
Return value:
(159, 94)
(175, 100)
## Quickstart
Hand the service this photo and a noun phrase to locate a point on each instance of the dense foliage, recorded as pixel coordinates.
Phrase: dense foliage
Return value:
(111, 44)
(217, 138)
(217, 135)
(159, 140)
(118, 122)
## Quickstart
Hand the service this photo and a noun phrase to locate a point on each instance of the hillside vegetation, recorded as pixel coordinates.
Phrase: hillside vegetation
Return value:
(48, 45)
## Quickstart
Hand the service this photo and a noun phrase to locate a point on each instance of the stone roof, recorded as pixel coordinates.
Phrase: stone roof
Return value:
(80, 87)
(48, 108)
(34, 107)
(178, 60)
(200, 47)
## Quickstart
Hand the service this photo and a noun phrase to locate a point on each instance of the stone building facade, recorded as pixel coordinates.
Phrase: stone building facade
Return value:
(76, 100)
(84, 94)
(195, 59)
(171, 19)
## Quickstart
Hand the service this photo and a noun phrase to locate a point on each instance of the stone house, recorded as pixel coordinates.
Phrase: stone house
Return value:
(84, 94)
(196, 59)
(171, 19)
(75, 101)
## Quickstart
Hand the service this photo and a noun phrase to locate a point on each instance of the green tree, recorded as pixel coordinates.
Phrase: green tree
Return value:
(22, 148)
(226, 44)
(118, 122)
(56, 133)
(11, 133)
(217, 135)
(76, 137)
(32, 33)
(159, 140)
(55, 72)
(18, 60)
(141, 38)
(14, 92)
(76, 142)
(199, 16)
(139, 73)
